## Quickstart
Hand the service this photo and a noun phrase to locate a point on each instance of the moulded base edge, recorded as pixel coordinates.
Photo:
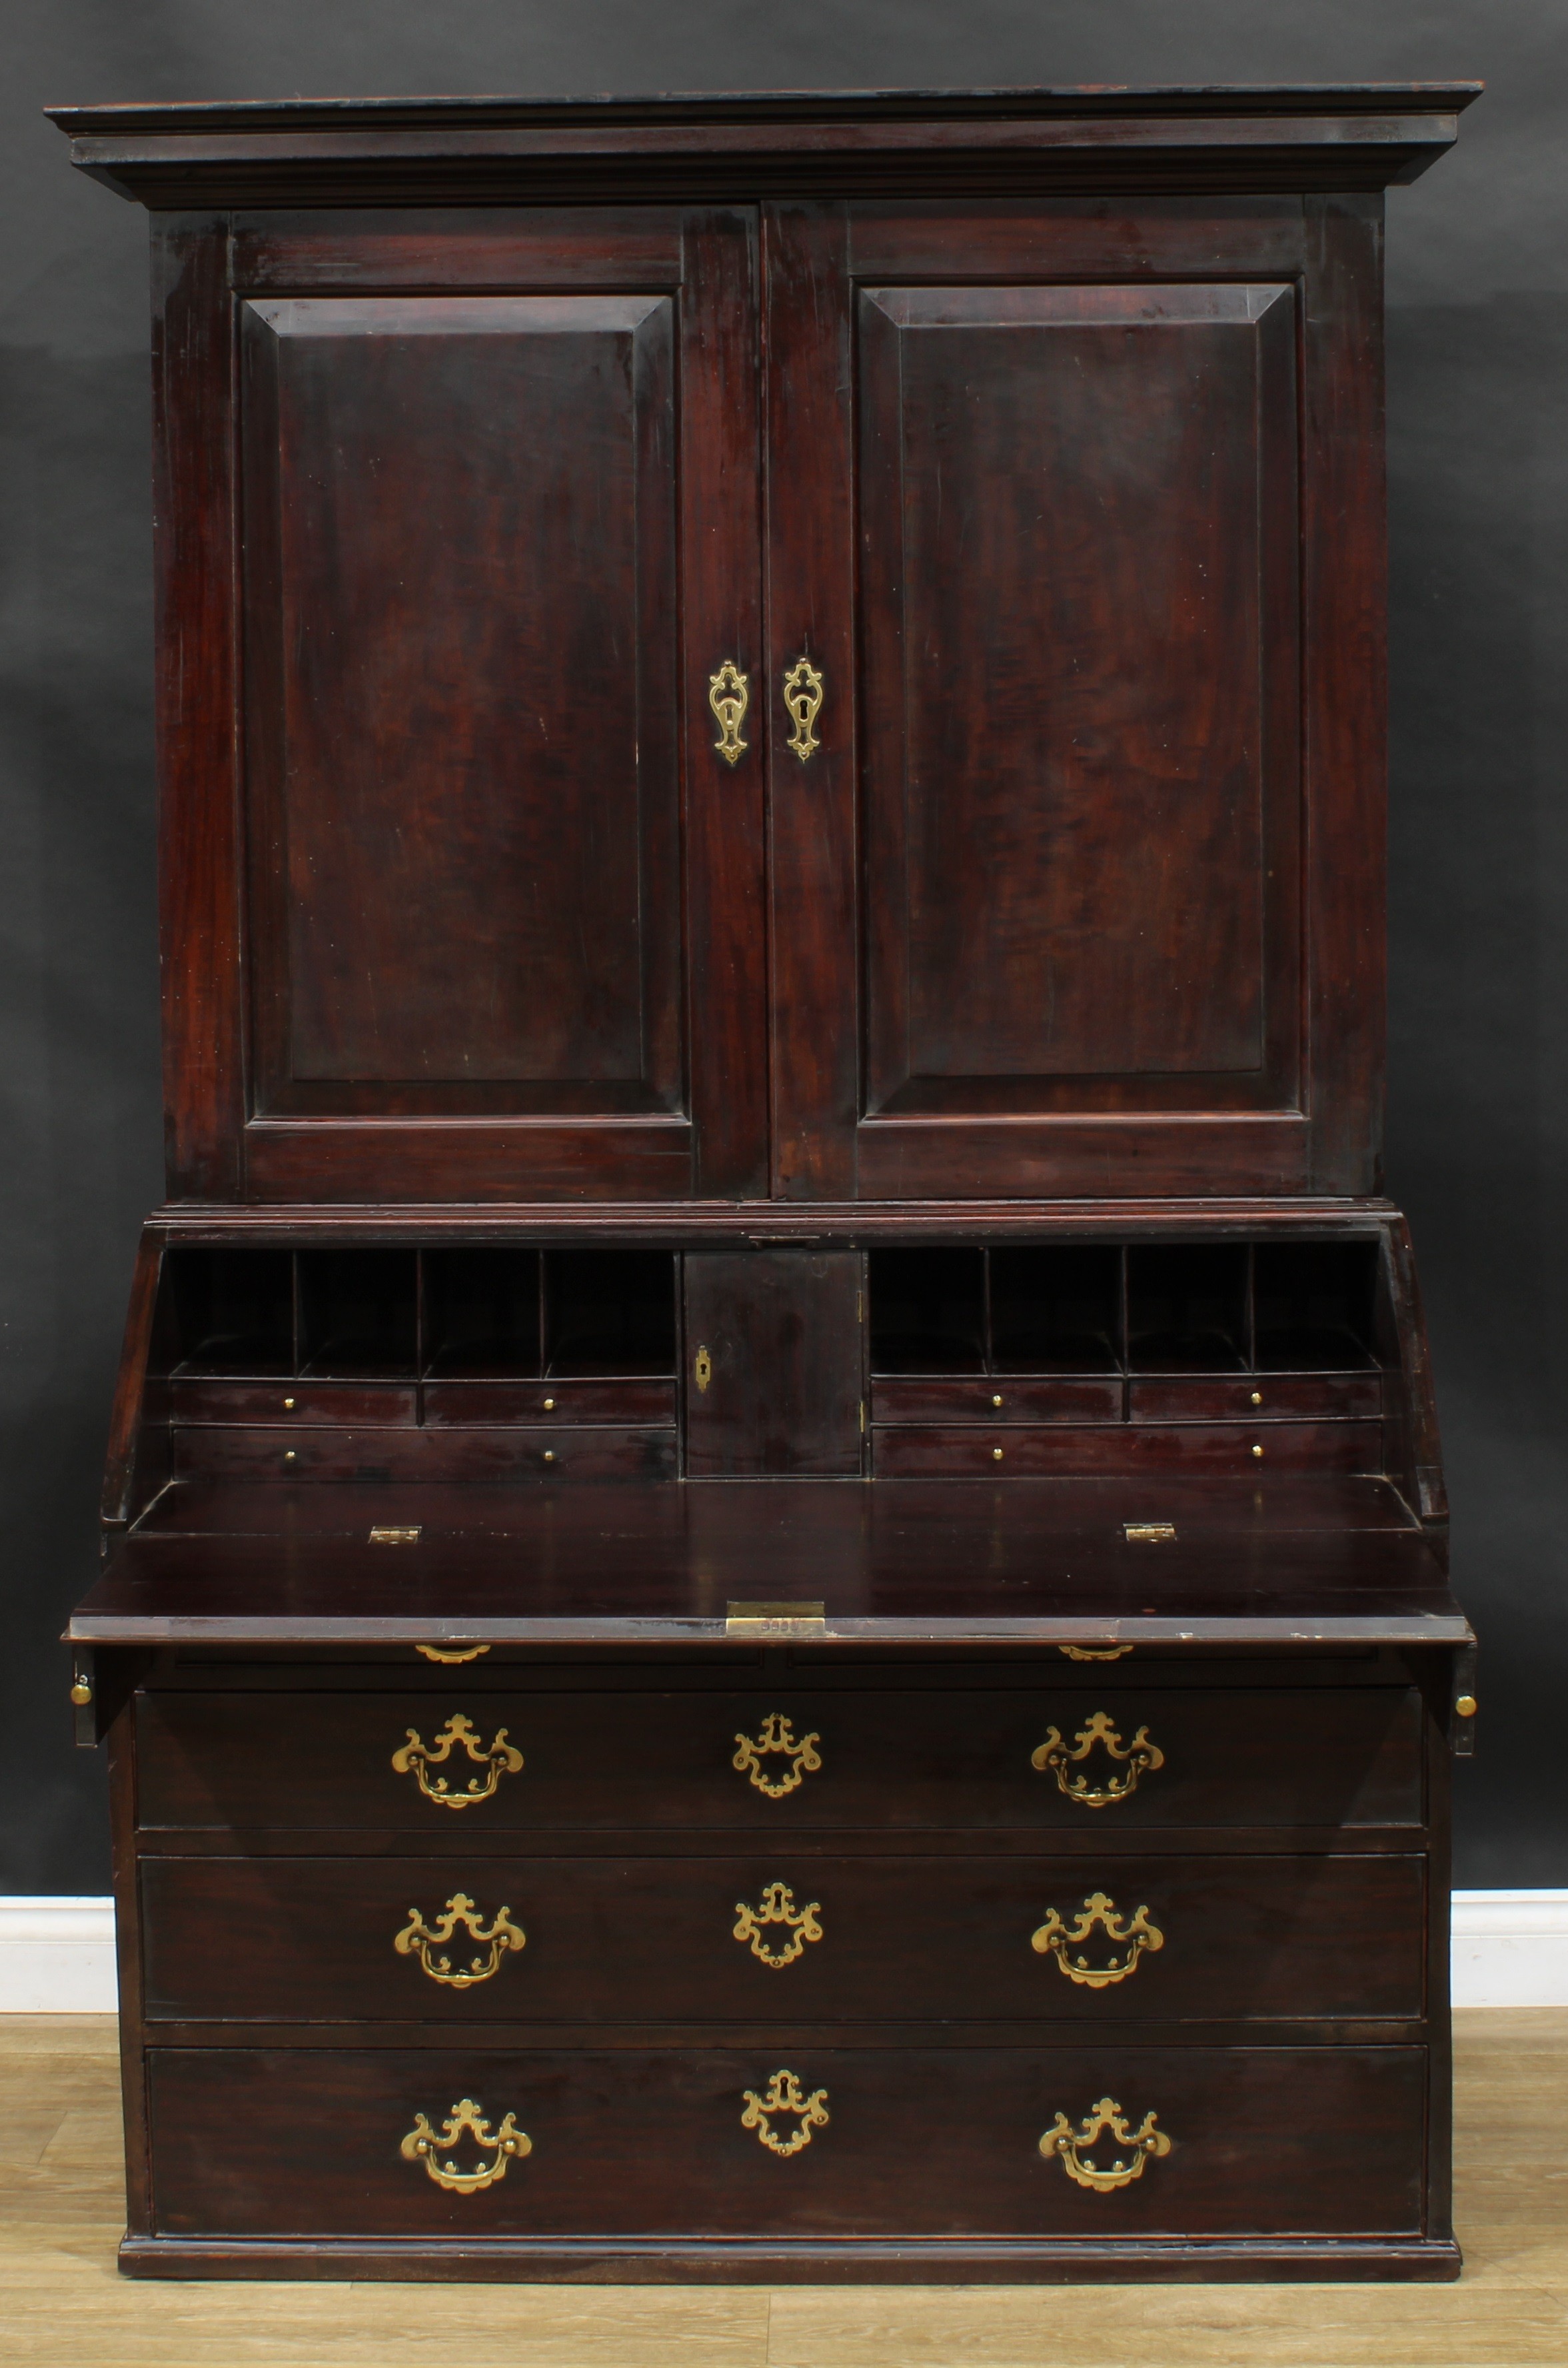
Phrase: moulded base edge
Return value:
(588, 2260)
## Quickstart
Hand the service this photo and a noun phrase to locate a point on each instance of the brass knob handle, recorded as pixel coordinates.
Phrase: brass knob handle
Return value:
(803, 697)
(1258, 1452)
(81, 1693)
(1141, 1757)
(778, 1909)
(1466, 1705)
(777, 1741)
(416, 1758)
(728, 695)
(1134, 1933)
(784, 2097)
(420, 1939)
(995, 1401)
(507, 2143)
(1258, 1397)
(550, 1406)
(1071, 2145)
(996, 1455)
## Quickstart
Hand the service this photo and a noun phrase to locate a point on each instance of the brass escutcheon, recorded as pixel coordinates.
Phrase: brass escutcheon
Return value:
(1137, 1758)
(803, 697)
(1054, 1939)
(777, 1741)
(777, 1908)
(728, 693)
(701, 1371)
(784, 2097)
(497, 1759)
(1063, 2140)
(420, 1939)
(507, 2144)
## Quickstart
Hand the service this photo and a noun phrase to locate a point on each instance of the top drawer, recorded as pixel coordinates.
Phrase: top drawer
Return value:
(467, 1764)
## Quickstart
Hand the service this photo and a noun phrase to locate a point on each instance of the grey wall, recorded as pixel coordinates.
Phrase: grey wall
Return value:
(1478, 1143)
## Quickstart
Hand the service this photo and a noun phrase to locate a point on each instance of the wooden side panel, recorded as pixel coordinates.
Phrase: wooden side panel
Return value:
(136, 1465)
(782, 1388)
(1344, 617)
(199, 815)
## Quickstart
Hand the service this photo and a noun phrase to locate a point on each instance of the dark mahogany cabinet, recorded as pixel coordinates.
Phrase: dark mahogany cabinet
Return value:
(775, 1479)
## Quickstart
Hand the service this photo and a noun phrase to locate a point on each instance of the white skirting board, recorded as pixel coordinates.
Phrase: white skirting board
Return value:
(1510, 1948)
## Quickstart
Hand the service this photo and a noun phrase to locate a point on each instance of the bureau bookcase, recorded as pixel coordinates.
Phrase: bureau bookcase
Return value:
(775, 1593)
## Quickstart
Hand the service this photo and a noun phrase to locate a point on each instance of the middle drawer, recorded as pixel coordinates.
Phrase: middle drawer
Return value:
(671, 1939)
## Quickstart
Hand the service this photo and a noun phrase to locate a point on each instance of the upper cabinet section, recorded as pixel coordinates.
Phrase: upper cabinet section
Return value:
(1030, 849)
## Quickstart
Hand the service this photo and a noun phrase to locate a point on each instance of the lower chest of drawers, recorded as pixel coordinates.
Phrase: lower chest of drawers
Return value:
(1061, 1962)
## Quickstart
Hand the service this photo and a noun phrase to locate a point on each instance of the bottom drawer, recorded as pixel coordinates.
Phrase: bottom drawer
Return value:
(802, 2140)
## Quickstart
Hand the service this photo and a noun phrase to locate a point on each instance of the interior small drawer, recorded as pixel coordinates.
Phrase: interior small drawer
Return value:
(482, 1453)
(266, 1403)
(997, 1401)
(465, 1760)
(1258, 1398)
(951, 1451)
(798, 2139)
(458, 1404)
(1081, 1942)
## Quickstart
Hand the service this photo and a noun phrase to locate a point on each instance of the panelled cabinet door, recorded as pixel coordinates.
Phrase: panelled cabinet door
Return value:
(497, 520)
(1068, 849)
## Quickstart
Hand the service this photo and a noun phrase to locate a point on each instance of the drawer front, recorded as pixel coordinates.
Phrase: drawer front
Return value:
(1260, 1397)
(954, 1452)
(1082, 1941)
(462, 1404)
(492, 1453)
(1258, 1757)
(268, 1402)
(997, 1401)
(1247, 2141)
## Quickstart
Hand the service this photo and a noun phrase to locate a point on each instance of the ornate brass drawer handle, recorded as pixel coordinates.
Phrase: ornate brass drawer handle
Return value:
(1061, 2139)
(497, 1759)
(777, 1908)
(420, 1939)
(1138, 1757)
(784, 2097)
(1054, 1939)
(729, 694)
(777, 1741)
(508, 2143)
(451, 1660)
(803, 697)
(1080, 1652)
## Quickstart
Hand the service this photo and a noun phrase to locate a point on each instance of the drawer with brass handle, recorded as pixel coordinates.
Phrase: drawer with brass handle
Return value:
(1083, 2141)
(777, 1934)
(1047, 1758)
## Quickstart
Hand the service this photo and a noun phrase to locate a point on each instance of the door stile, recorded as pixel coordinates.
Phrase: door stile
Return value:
(813, 901)
(725, 804)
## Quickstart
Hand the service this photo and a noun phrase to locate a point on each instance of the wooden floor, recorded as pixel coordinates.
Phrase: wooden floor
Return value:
(64, 2305)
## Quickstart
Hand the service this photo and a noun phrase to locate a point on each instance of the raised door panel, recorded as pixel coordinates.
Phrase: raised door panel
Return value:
(1077, 508)
(491, 557)
(464, 607)
(1067, 797)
